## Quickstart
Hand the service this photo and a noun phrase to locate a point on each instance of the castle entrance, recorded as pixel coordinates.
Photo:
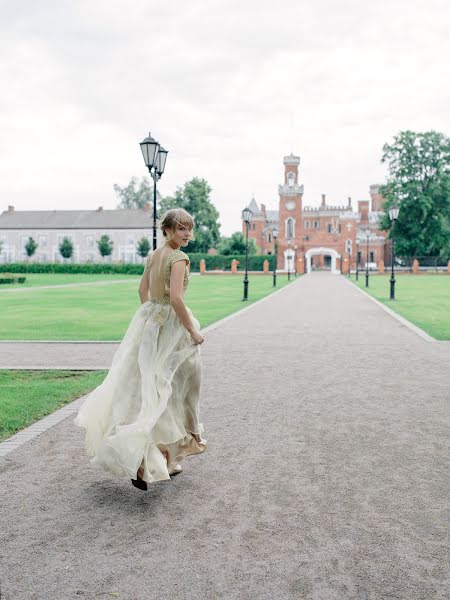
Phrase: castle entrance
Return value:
(322, 259)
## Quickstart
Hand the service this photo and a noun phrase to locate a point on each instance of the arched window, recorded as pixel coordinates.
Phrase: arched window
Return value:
(290, 228)
(307, 224)
(291, 179)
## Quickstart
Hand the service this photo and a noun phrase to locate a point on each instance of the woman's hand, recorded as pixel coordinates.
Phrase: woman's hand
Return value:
(197, 337)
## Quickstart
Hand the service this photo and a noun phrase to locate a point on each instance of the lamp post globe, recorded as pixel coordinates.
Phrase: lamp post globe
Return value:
(155, 157)
(275, 251)
(393, 215)
(247, 217)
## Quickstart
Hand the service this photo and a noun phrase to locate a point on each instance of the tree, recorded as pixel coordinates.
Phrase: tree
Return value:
(66, 248)
(30, 247)
(194, 197)
(236, 244)
(105, 245)
(143, 247)
(419, 183)
(136, 193)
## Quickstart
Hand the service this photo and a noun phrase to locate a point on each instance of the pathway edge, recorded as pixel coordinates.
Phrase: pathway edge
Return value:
(33, 431)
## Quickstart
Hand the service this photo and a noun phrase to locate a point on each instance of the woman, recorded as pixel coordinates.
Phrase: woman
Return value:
(144, 418)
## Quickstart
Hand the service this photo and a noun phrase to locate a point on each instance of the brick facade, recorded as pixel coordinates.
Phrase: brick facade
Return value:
(321, 237)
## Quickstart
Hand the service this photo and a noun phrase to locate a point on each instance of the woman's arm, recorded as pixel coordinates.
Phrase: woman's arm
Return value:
(144, 287)
(176, 294)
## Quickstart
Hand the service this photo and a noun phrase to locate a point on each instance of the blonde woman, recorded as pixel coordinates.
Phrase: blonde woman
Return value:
(144, 418)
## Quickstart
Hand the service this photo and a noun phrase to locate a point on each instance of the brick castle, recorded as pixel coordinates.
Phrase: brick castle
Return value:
(323, 237)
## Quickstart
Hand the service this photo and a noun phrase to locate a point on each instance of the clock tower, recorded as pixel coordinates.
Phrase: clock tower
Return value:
(290, 221)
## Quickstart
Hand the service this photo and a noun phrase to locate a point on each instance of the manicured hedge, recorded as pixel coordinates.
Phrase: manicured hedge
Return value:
(11, 278)
(213, 262)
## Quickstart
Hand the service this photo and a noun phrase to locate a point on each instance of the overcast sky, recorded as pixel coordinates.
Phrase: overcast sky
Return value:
(228, 87)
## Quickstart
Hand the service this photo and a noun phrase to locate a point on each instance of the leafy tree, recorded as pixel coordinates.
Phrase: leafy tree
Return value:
(419, 183)
(136, 193)
(194, 197)
(143, 247)
(30, 247)
(66, 248)
(105, 245)
(236, 245)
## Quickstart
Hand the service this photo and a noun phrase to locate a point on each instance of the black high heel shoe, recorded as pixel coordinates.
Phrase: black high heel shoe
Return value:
(139, 483)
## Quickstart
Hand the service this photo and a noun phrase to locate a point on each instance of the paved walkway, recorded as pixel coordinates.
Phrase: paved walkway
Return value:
(325, 477)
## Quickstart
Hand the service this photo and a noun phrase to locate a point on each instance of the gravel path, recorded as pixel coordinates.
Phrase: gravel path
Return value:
(325, 477)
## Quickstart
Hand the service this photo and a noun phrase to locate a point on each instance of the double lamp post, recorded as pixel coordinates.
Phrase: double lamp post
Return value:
(155, 160)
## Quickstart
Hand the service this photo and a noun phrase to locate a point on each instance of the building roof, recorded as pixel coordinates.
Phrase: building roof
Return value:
(125, 218)
(254, 207)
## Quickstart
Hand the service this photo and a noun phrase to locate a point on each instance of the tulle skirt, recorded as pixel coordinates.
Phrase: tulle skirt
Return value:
(149, 401)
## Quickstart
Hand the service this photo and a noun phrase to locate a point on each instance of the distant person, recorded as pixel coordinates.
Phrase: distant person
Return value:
(144, 418)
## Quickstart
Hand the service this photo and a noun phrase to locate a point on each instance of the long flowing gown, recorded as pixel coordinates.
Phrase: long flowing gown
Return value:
(149, 401)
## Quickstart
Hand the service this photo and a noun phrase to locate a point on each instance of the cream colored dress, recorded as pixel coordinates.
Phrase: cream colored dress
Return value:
(149, 400)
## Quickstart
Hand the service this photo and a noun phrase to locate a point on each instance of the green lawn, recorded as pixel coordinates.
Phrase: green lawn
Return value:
(30, 395)
(104, 312)
(422, 299)
(36, 279)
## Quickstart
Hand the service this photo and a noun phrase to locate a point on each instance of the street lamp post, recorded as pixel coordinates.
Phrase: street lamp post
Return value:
(349, 256)
(393, 215)
(367, 257)
(295, 259)
(247, 217)
(358, 241)
(275, 238)
(155, 160)
(289, 260)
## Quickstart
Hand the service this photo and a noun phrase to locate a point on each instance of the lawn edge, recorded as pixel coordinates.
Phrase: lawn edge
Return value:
(31, 432)
(417, 330)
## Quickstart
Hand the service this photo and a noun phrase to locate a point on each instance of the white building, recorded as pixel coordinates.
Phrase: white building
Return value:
(125, 227)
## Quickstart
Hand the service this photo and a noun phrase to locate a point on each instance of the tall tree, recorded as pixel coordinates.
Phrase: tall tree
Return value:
(136, 193)
(194, 197)
(236, 244)
(419, 183)
(30, 247)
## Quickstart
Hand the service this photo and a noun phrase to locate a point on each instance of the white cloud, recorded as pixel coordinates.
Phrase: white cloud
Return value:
(216, 83)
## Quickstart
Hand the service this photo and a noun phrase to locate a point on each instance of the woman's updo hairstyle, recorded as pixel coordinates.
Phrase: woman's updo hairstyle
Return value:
(173, 217)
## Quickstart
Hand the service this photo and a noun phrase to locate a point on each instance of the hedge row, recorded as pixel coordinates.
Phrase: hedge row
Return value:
(213, 262)
(10, 278)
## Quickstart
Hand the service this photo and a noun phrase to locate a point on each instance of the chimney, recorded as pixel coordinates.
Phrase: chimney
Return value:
(363, 209)
(323, 199)
(99, 209)
(263, 209)
(10, 208)
(349, 202)
(147, 207)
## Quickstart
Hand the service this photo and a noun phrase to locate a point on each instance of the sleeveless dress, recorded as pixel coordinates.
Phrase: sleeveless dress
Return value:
(149, 400)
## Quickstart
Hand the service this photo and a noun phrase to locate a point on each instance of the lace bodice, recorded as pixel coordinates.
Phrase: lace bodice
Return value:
(173, 257)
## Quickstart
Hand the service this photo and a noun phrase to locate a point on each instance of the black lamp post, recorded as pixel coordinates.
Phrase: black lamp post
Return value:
(275, 241)
(247, 217)
(349, 247)
(295, 259)
(358, 241)
(289, 260)
(393, 215)
(367, 257)
(155, 160)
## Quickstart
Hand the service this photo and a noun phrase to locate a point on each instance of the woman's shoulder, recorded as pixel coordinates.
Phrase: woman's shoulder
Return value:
(177, 255)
